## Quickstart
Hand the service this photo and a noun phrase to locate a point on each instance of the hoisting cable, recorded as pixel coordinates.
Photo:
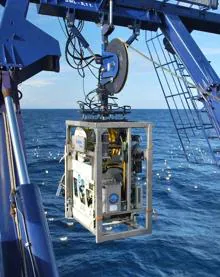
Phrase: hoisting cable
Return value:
(203, 91)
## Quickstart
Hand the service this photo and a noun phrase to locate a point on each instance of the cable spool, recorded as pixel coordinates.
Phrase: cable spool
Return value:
(119, 48)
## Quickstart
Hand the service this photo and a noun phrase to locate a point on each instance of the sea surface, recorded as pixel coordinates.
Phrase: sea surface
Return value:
(186, 227)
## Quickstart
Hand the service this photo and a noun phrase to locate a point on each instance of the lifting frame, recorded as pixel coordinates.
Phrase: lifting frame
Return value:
(99, 128)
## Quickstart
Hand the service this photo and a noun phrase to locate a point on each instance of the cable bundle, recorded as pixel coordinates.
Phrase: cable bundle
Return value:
(75, 53)
(93, 106)
(76, 57)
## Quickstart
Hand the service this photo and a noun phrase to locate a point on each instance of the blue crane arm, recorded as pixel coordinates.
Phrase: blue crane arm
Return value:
(181, 40)
(127, 11)
(199, 68)
(25, 49)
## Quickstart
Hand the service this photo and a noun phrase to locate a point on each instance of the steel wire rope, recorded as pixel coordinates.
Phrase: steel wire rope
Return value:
(172, 73)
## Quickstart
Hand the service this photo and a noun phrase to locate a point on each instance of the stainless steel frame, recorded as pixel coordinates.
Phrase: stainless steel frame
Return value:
(99, 127)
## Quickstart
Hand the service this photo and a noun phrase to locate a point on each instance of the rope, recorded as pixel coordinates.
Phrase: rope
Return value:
(203, 91)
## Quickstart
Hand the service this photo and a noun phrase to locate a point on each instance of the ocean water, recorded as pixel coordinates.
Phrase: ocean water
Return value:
(186, 230)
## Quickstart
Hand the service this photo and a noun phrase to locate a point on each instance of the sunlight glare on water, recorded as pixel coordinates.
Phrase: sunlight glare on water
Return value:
(186, 201)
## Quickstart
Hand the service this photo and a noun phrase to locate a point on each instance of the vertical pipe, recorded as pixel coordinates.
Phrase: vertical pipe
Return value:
(149, 179)
(98, 183)
(68, 175)
(129, 170)
(16, 142)
(10, 259)
(110, 12)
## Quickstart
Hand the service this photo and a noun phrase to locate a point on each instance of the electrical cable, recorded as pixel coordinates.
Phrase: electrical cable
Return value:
(77, 59)
(20, 95)
(74, 51)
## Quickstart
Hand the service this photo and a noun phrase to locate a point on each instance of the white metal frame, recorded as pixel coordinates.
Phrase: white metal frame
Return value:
(99, 127)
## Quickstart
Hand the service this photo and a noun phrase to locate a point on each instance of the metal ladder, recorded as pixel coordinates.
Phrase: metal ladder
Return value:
(196, 130)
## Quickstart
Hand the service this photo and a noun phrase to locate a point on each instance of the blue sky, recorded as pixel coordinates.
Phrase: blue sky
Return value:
(62, 90)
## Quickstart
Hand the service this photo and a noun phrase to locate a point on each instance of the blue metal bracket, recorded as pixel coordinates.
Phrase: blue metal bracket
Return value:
(25, 49)
(110, 66)
(135, 34)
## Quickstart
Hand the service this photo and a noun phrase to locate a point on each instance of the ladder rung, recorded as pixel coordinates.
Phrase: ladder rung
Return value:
(168, 63)
(192, 87)
(162, 65)
(180, 68)
(177, 94)
(153, 38)
(205, 126)
(197, 98)
(190, 98)
(188, 127)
